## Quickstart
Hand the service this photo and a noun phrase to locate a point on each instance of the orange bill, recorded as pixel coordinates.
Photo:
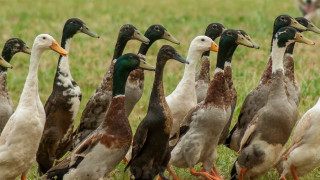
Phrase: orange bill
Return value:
(214, 47)
(57, 48)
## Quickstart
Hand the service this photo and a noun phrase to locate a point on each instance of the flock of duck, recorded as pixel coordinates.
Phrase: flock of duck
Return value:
(181, 129)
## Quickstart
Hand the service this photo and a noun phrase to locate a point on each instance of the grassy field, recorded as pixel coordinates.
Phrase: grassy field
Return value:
(89, 57)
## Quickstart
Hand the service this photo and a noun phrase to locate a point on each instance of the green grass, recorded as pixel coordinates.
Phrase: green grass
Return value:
(89, 57)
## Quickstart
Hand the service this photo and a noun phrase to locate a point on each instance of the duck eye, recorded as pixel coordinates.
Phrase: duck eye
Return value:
(281, 18)
(156, 28)
(229, 34)
(127, 28)
(202, 39)
(43, 38)
(214, 26)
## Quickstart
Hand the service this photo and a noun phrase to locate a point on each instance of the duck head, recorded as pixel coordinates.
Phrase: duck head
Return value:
(122, 68)
(12, 47)
(245, 35)
(203, 43)
(288, 35)
(45, 42)
(214, 30)
(286, 20)
(167, 52)
(157, 31)
(74, 26)
(128, 32)
(308, 24)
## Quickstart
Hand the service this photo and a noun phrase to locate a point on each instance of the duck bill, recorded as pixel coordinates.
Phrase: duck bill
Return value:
(144, 65)
(86, 30)
(26, 49)
(294, 23)
(4, 63)
(313, 28)
(255, 45)
(169, 37)
(214, 47)
(301, 39)
(243, 41)
(138, 36)
(57, 48)
(179, 58)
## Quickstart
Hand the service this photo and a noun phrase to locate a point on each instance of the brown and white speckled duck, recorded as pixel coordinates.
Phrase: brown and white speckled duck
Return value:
(63, 104)
(97, 155)
(257, 97)
(266, 135)
(10, 48)
(96, 108)
(151, 151)
(213, 31)
(208, 118)
(135, 83)
(228, 77)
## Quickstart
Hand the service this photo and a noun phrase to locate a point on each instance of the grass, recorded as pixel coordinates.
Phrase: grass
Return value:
(89, 58)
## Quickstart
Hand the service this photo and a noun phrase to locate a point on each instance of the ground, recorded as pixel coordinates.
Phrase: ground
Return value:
(89, 57)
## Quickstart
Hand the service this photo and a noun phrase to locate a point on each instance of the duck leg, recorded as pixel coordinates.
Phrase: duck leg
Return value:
(294, 172)
(206, 175)
(242, 173)
(215, 173)
(172, 173)
(23, 177)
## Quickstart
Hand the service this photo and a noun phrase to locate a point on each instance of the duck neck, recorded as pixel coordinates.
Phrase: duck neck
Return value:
(120, 77)
(7, 55)
(290, 48)
(189, 70)
(30, 89)
(145, 47)
(157, 93)
(277, 55)
(63, 63)
(120, 45)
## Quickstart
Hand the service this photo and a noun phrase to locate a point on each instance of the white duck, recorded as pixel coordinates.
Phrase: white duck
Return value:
(303, 154)
(21, 136)
(184, 97)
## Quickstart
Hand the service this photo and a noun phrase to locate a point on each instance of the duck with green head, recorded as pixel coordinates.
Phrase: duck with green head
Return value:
(150, 152)
(291, 82)
(257, 97)
(228, 76)
(97, 155)
(11, 47)
(97, 106)
(208, 118)
(135, 84)
(268, 132)
(63, 104)
(213, 31)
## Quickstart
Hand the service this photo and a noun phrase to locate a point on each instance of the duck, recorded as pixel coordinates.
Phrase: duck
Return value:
(268, 132)
(291, 82)
(213, 31)
(184, 97)
(63, 104)
(104, 148)
(20, 138)
(208, 118)
(135, 83)
(11, 47)
(148, 156)
(234, 95)
(97, 106)
(257, 97)
(301, 156)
